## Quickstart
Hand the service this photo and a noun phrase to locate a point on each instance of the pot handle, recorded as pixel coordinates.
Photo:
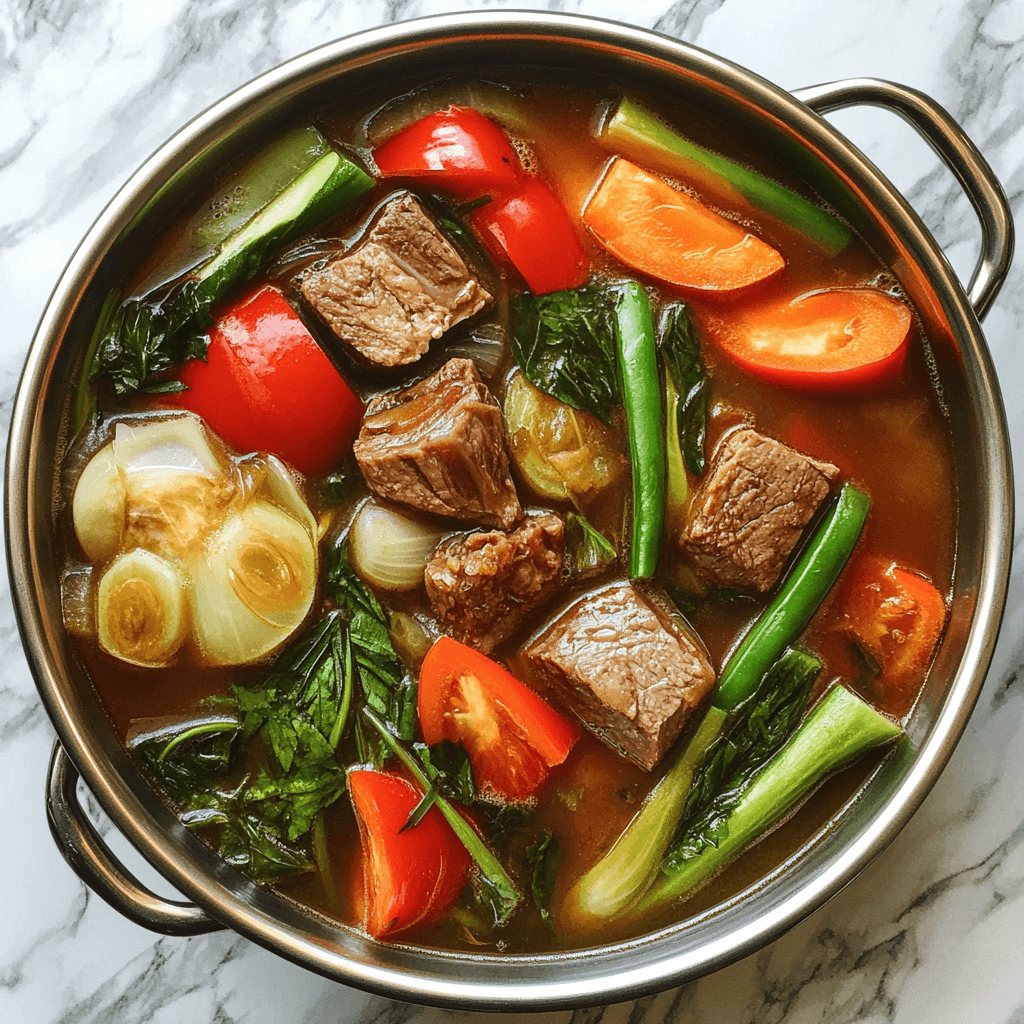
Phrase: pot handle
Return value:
(957, 152)
(84, 849)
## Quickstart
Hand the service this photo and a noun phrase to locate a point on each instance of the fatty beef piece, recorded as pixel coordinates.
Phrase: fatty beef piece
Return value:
(403, 287)
(439, 447)
(629, 672)
(751, 509)
(484, 586)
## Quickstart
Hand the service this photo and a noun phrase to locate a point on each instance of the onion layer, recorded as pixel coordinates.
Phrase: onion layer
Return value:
(254, 585)
(141, 609)
(390, 550)
(98, 506)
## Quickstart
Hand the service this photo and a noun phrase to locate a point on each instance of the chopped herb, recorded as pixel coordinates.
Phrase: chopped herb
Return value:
(543, 857)
(565, 343)
(587, 551)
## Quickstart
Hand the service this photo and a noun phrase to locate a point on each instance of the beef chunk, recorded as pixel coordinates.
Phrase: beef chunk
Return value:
(754, 502)
(439, 446)
(403, 287)
(632, 677)
(483, 586)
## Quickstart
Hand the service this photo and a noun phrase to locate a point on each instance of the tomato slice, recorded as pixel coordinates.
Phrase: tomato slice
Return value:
(531, 227)
(843, 339)
(266, 386)
(412, 877)
(458, 149)
(511, 735)
(660, 231)
(896, 615)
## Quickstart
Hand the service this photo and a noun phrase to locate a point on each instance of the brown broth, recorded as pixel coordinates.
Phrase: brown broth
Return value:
(894, 444)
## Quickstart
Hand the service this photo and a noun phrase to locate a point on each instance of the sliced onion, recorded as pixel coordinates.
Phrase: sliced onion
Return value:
(98, 506)
(390, 550)
(253, 586)
(141, 609)
(283, 490)
(178, 490)
(77, 600)
(411, 639)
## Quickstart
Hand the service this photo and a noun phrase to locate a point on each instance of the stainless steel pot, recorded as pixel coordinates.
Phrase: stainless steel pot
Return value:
(787, 125)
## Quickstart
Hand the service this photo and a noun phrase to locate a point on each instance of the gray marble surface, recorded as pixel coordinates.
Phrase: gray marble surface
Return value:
(932, 931)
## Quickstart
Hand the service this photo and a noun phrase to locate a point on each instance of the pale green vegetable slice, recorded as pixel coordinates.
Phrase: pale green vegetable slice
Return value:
(141, 615)
(98, 506)
(253, 586)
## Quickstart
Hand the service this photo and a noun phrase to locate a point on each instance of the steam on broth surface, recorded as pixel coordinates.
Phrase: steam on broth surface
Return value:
(478, 591)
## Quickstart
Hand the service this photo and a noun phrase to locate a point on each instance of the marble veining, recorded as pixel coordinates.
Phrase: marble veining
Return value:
(932, 931)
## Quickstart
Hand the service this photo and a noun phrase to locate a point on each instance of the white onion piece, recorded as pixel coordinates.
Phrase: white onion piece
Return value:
(178, 490)
(283, 491)
(390, 550)
(141, 609)
(254, 585)
(77, 600)
(98, 506)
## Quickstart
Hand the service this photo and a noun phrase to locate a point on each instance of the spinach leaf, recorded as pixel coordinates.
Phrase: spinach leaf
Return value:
(181, 749)
(543, 856)
(680, 349)
(758, 729)
(587, 551)
(565, 343)
(148, 337)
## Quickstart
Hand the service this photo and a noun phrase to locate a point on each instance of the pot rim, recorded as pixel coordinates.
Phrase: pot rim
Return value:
(554, 980)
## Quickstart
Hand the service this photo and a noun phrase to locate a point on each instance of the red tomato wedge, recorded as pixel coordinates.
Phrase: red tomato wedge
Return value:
(458, 150)
(530, 226)
(512, 736)
(848, 339)
(266, 386)
(411, 877)
(896, 615)
(660, 231)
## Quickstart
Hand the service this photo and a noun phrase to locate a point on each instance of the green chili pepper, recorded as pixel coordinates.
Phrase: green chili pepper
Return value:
(804, 590)
(638, 364)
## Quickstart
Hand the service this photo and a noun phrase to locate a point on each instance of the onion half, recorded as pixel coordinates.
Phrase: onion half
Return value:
(390, 550)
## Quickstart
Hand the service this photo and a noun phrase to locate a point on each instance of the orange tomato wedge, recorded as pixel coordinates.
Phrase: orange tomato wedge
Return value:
(660, 231)
(838, 340)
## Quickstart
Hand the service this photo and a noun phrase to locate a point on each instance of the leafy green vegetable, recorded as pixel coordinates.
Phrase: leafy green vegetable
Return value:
(680, 351)
(565, 343)
(387, 689)
(755, 731)
(153, 334)
(543, 856)
(179, 750)
(586, 550)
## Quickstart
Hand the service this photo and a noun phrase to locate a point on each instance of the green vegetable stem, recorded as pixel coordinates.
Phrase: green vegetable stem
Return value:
(636, 133)
(641, 390)
(839, 730)
(791, 610)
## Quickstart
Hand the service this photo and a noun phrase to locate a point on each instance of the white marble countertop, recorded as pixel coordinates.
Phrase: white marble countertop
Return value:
(932, 931)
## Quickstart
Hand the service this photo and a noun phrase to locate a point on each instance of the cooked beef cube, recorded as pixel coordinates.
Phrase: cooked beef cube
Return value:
(403, 287)
(751, 508)
(439, 446)
(484, 586)
(630, 674)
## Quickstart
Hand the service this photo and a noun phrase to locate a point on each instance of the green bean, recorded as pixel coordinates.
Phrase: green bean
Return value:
(638, 363)
(795, 604)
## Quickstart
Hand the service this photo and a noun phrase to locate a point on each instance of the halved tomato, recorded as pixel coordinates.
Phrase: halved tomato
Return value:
(843, 339)
(511, 735)
(660, 231)
(412, 876)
